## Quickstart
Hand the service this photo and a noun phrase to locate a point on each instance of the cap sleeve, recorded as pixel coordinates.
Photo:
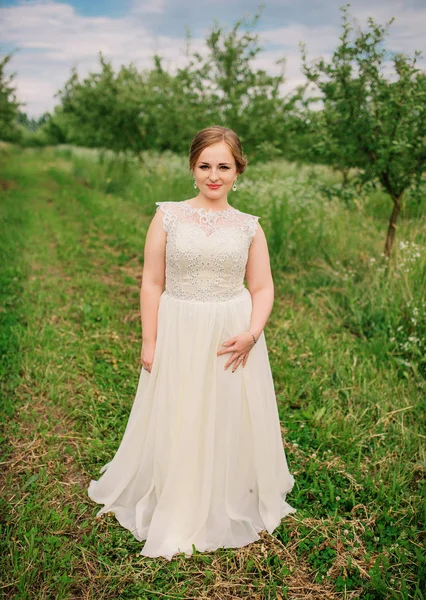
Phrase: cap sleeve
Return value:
(252, 226)
(168, 214)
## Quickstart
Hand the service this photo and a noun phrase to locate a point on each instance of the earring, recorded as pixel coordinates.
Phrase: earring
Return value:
(234, 187)
(195, 184)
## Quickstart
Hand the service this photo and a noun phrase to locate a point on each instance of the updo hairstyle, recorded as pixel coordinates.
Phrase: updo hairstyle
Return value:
(212, 135)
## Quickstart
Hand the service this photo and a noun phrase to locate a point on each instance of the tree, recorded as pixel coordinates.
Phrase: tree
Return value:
(129, 110)
(156, 110)
(238, 95)
(105, 110)
(175, 107)
(9, 104)
(373, 121)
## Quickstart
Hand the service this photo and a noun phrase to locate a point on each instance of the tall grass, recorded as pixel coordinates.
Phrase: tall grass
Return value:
(346, 342)
(335, 249)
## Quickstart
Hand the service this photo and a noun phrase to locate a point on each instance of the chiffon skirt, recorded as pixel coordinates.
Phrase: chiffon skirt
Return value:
(201, 462)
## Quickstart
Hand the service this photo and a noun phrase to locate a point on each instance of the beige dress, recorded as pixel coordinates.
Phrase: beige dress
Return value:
(201, 462)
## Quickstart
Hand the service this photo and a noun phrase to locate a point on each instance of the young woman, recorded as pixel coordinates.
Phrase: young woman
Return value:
(201, 462)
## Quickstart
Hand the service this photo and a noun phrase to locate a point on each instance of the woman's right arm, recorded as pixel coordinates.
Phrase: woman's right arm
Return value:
(153, 278)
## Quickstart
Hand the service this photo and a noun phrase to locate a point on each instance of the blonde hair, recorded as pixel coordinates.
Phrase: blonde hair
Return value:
(211, 135)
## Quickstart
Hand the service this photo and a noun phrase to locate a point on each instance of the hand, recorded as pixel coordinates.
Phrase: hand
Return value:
(240, 346)
(147, 355)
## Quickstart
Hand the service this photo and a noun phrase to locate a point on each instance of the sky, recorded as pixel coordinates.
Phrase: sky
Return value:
(47, 38)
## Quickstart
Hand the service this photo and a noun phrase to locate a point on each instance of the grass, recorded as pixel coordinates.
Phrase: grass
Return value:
(346, 342)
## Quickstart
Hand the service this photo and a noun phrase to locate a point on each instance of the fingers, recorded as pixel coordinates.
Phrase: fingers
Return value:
(227, 346)
(231, 360)
(237, 359)
(146, 367)
(237, 363)
(239, 353)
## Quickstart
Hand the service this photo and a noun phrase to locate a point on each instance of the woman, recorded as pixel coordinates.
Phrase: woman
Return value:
(201, 463)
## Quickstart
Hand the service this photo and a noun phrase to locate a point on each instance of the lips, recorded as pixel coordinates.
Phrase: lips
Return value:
(213, 187)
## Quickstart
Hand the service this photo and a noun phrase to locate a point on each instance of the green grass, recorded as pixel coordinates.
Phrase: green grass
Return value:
(346, 342)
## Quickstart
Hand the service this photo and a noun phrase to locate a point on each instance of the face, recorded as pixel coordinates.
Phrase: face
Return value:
(215, 165)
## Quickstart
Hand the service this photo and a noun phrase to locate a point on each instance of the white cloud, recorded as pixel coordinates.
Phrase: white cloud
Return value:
(51, 37)
(65, 35)
(35, 92)
(319, 38)
(148, 6)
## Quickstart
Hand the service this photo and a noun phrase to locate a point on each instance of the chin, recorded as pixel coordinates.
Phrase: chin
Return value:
(216, 192)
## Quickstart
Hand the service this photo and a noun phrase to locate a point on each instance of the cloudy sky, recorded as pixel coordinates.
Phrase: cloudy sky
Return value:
(48, 37)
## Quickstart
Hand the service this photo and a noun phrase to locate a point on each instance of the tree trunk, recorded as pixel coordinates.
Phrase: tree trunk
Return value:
(135, 150)
(345, 174)
(392, 224)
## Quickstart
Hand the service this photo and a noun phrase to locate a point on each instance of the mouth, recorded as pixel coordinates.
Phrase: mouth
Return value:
(213, 187)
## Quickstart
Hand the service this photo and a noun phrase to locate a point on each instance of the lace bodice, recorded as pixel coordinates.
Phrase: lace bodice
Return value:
(206, 250)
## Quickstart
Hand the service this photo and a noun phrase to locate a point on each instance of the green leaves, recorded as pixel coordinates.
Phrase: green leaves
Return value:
(9, 104)
(371, 120)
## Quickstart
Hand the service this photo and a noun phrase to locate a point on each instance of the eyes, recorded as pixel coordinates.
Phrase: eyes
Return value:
(222, 167)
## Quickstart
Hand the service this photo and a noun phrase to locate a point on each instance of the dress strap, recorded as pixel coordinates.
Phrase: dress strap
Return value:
(169, 216)
(252, 225)
(162, 205)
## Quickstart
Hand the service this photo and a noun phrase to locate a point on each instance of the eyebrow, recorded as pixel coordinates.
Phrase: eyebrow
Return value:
(206, 163)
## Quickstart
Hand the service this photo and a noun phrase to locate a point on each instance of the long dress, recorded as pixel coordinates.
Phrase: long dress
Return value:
(201, 462)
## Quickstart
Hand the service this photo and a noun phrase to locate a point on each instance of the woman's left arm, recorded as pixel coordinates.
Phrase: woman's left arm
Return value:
(261, 287)
(259, 282)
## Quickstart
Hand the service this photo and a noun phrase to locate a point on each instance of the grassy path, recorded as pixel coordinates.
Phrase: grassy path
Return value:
(70, 341)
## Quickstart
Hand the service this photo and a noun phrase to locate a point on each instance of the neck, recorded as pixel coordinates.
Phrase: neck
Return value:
(202, 201)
